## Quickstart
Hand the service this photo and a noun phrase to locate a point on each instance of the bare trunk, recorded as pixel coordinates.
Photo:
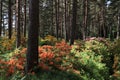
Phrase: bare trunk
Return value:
(56, 16)
(74, 15)
(65, 26)
(10, 21)
(85, 13)
(18, 23)
(32, 50)
(1, 4)
(25, 4)
(118, 27)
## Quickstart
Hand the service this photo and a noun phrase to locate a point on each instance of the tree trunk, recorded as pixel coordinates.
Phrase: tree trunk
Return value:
(18, 23)
(74, 15)
(68, 19)
(56, 16)
(3, 27)
(25, 4)
(1, 4)
(85, 13)
(65, 26)
(10, 21)
(52, 17)
(118, 27)
(32, 50)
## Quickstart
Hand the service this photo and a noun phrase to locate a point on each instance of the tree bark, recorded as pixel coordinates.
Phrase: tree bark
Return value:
(25, 4)
(18, 40)
(56, 16)
(10, 21)
(118, 27)
(1, 4)
(65, 25)
(85, 13)
(74, 14)
(32, 49)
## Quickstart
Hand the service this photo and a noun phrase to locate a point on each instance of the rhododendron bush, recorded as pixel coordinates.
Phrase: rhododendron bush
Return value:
(89, 59)
(49, 56)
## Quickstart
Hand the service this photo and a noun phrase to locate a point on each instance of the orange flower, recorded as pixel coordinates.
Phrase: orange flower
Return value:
(23, 50)
(12, 62)
(11, 70)
(47, 47)
(43, 66)
(43, 56)
(19, 66)
(51, 63)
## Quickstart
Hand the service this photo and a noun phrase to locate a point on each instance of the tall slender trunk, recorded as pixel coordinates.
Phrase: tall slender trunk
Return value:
(68, 19)
(18, 23)
(118, 27)
(10, 21)
(32, 50)
(85, 13)
(103, 21)
(52, 17)
(4, 31)
(56, 16)
(1, 4)
(25, 4)
(74, 15)
(103, 28)
(62, 18)
(65, 26)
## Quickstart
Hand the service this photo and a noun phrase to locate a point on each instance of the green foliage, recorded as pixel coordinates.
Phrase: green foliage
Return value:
(45, 75)
(2, 75)
(115, 49)
(86, 60)
(44, 42)
(6, 45)
(90, 65)
(97, 47)
(48, 40)
(100, 47)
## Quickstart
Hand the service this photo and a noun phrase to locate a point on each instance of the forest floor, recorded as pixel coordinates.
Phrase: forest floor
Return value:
(92, 59)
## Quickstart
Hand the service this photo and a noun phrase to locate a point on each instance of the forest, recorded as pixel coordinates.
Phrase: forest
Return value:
(59, 40)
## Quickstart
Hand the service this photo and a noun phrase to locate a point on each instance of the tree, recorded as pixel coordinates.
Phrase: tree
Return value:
(1, 17)
(57, 17)
(10, 21)
(25, 4)
(32, 46)
(74, 15)
(85, 20)
(18, 23)
(65, 26)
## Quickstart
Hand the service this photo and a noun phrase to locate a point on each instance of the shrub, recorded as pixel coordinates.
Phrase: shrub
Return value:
(7, 45)
(115, 50)
(48, 40)
(89, 64)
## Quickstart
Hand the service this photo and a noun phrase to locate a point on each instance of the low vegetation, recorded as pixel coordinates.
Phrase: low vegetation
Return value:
(91, 59)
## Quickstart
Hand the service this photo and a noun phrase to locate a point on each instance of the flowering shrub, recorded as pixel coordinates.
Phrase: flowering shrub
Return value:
(53, 55)
(49, 57)
(48, 40)
(13, 62)
(89, 59)
(6, 45)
